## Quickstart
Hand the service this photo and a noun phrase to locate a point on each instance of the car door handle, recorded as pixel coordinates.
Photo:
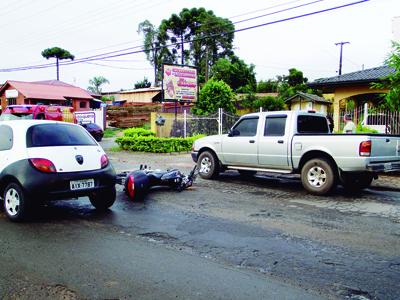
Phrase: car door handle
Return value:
(252, 141)
(280, 141)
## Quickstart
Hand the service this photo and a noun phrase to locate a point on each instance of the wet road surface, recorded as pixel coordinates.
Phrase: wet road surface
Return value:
(235, 238)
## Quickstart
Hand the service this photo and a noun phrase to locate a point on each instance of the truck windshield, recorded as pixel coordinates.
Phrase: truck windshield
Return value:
(15, 116)
(312, 124)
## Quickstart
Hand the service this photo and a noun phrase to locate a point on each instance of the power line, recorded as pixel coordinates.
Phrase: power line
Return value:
(110, 55)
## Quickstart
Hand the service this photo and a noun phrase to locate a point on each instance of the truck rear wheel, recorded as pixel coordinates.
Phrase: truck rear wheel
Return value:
(208, 165)
(318, 176)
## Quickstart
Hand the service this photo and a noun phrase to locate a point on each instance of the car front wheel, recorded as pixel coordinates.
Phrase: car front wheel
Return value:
(104, 199)
(16, 202)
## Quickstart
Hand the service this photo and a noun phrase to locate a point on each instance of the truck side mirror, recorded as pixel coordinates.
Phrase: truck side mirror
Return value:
(233, 132)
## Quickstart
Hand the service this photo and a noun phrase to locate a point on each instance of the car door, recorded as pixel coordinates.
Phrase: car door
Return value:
(273, 145)
(240, 146)
(6, 144)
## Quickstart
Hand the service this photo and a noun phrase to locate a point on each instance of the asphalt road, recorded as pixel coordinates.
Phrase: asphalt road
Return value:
(235, 238)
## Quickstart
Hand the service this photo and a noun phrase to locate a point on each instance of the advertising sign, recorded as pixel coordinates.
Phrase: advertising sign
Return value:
(180, 83)
(85, 117)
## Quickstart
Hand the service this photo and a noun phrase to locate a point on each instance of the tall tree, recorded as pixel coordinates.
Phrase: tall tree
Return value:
(236, 73)
(96, 83)
(59, 54)
(194, 36)
(290, 84)
(392, 81)
(151, 45)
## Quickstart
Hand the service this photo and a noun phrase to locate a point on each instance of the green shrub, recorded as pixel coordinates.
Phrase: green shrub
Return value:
(364, 129)
(155, 144)
(138, 132)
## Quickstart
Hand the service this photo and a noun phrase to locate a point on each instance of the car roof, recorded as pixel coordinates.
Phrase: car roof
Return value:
(25, 124)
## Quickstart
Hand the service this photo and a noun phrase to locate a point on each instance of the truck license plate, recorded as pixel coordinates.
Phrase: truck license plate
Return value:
(388, 166)
(81, 184)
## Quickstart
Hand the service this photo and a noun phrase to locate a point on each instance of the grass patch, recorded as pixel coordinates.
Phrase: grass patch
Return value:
(111, 132)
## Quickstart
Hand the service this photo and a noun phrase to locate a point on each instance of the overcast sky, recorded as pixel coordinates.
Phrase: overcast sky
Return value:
(87, 28)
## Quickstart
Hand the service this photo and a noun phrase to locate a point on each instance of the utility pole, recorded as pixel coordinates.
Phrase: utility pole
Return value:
(341, 51)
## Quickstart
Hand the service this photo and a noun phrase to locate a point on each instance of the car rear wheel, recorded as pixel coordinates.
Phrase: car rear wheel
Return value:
(103, 199)
(318, 176)
(16, 202)
(207, 165)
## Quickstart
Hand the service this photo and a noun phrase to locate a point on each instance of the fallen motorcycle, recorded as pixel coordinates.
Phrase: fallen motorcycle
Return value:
(138, 183)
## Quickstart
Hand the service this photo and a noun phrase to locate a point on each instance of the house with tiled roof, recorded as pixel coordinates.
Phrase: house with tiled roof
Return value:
(355, 87)
(45, 92)
(305, 101)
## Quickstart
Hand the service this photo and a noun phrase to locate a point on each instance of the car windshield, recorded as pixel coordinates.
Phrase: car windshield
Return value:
(45, 135)
(16, 116)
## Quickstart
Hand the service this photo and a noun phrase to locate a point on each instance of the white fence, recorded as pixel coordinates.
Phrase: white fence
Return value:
(381, 120)
(186, 124)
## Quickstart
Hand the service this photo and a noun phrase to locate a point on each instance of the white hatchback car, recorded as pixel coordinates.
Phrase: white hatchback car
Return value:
(48, 160)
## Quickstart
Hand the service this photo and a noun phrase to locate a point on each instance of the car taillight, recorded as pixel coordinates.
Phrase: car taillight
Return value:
(104, 161)
(43, 165)
(365, 148)
(131, 186)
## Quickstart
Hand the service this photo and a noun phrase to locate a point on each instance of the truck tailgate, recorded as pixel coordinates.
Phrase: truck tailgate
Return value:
(384, 148)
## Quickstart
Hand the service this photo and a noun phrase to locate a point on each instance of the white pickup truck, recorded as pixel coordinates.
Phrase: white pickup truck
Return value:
(298, 142)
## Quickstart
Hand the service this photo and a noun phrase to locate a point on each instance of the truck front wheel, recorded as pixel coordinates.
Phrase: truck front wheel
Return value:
(318, 176)
(207, 165)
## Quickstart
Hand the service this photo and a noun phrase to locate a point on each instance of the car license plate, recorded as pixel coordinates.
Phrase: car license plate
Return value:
(388, 166)
(81, 184)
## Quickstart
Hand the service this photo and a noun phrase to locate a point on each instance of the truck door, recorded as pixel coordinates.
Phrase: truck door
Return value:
(273, 145)
(240, 147)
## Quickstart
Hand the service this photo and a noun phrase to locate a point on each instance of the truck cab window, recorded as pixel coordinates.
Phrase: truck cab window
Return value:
(275, 126)
(246, 127)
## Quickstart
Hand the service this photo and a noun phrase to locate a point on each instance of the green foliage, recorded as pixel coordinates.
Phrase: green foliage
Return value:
(214, 94)
(156, 145)
(365, 129)
(269, 86)
(138, 131)
(96, 83)
(236, 73)
(58, 53)
(351, 105)
(293, 83)
(143, 84)
(392, 81)
(268, 103)
(108, 98)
